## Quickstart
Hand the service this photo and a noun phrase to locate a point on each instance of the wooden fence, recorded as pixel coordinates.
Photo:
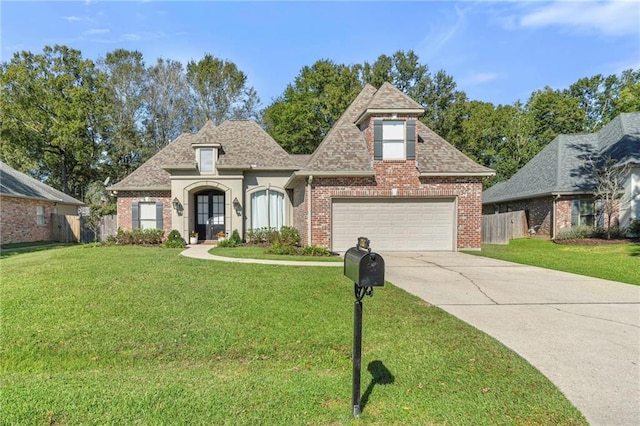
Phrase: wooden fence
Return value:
(65, 228)
(502, 227)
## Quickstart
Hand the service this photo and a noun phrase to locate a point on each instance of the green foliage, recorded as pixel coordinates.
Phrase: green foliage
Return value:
(289, 236)
(279, 247)
(575, 233)
(612, 233)
(262, 236)
(634, 228)
(138, 237)
(174, 240)
(316, 251)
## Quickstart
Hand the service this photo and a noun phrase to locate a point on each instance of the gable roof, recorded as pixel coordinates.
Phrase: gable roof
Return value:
(344, 151)
(17, 184)
(239, 142)
(562, 167)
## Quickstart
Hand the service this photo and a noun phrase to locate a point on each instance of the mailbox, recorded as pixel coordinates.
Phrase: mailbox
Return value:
(364, 268)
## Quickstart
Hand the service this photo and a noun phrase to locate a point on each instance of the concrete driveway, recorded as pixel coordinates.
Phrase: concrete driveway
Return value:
(582, 333)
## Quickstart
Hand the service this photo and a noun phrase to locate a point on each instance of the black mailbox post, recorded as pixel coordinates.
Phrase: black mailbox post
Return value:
(366, 270)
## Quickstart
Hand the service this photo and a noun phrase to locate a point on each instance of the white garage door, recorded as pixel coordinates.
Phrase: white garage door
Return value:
(394, 224)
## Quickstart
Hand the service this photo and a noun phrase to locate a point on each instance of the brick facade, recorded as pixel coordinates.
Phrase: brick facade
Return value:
(19, 222)
(126, 199)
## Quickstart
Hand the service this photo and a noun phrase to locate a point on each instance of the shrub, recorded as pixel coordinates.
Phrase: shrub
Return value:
(315, 251)
(139, 237)
(174, 240)
(262, 235)
(235, 238)
(634, 228)
(289, 236)
(614, 233)
(575, 233)
(280, 248)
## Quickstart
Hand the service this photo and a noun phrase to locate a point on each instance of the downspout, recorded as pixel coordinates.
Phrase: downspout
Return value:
(555, 217)
(309, 201)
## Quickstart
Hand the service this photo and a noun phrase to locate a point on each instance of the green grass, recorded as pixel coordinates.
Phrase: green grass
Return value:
(132, 335)
(253, 252)
(617, 262)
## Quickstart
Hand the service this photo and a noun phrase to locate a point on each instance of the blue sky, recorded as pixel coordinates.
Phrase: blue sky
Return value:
(496, 51)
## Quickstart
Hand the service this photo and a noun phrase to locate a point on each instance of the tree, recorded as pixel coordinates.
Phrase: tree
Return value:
(167, 113)
(554, 112)
(219, 91)
(53, 124)
(127, 85)
(304, 114)
(628, 99)
(610, 178)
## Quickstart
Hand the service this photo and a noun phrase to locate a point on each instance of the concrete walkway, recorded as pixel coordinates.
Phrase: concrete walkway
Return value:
(582, 333)
(201, 251)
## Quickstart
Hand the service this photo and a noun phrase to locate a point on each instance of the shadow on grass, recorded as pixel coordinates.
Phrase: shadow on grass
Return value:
(380, 376)
(635, 250)
(19, 249)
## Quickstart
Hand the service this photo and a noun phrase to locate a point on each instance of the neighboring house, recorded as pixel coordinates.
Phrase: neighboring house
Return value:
(378, 173)
(556, 187)
(27, 205)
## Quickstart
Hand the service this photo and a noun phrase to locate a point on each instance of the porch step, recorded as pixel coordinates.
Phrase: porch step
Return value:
(208, 242)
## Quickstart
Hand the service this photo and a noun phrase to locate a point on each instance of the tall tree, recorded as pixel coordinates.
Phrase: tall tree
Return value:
(167, 112)
(554, 112)
(302, 116)
(53, 107)
(628, 99)
(220, 91)
(127, 85)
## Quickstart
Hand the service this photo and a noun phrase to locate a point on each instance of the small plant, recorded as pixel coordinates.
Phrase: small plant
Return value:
(280, 248)
(235, 238)
(174, 240)
(221, 234)
(289, 236)
(316, 251)
(613, 233)
(575, 233)
(139, 237)
(193, 234)
(634, 228)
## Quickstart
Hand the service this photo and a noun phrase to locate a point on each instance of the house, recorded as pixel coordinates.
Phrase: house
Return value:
(378, 173)
(556, 187)
(27, 207)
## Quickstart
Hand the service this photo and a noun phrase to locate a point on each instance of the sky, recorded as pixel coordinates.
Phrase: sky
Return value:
(496, 51)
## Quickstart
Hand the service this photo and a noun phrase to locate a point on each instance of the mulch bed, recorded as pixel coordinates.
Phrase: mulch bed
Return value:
(594, 242)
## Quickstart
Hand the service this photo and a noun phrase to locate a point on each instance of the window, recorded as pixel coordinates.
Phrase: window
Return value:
(583, 213)
(206, 160)
(146, 215)
(394, 140)
(40, 215)
(267, 209)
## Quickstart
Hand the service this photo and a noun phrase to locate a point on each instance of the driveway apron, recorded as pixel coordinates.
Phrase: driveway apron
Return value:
(582, 333)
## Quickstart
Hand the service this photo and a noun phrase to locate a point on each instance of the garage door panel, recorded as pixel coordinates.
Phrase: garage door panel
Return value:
(394, 224)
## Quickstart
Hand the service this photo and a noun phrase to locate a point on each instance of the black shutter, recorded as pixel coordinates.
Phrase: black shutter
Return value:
(159, 215)
(411, 140)
(377, 140)
(135, 216)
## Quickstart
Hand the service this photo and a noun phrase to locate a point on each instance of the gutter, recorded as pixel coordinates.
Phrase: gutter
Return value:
(309, 211)
(462, 174)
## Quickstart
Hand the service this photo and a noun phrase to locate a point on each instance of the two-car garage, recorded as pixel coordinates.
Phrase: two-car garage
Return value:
(394, 224)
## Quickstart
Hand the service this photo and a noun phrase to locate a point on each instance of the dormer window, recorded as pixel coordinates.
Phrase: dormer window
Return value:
(394, 140)
(206, 160)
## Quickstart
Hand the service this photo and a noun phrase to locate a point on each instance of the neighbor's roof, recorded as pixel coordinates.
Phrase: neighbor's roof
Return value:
(243, 145)
(344, 152)
(17, 184)
(562, 167)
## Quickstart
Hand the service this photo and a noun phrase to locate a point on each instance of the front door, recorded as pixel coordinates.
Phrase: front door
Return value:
(209, 214)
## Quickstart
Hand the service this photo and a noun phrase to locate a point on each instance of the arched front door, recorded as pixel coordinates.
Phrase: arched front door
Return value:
(209, 213)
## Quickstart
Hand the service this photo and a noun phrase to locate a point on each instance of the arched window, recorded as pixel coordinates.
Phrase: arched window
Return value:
(267, 209)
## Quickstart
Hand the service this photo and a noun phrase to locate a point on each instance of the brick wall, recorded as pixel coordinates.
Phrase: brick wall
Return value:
(126, 199)
(18, 220)
(539, 212)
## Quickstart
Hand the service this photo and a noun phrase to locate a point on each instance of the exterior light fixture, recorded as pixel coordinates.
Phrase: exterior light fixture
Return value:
(237, 206)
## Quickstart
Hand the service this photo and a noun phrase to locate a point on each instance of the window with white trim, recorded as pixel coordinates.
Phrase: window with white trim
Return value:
(40, 219)
(267, 209)
(585, 212)
(394, 140)
(206, 160)
(147, 215)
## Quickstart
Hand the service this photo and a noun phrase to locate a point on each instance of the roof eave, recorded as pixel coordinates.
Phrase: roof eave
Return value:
(185, 167)
(479, 174)
(51, 200)
(116, 189)
(370, 111)
(295, 178)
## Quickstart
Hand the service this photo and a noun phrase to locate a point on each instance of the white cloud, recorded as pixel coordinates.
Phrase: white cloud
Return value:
(72, 18)
(608, 17)
(483, 77)
(97, 31)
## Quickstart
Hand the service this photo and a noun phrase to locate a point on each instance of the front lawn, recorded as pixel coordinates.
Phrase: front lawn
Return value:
(617, 262)
(133, 335)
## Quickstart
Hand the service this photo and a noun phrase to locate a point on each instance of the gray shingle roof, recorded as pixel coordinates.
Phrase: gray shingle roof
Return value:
(390, 97)
(563, 165)
(244, 145)
(17, 184)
